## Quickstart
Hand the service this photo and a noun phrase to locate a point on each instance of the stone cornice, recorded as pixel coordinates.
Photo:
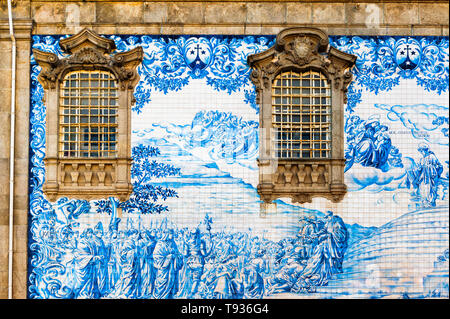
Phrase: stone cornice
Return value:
(22, 29)
(304, 1)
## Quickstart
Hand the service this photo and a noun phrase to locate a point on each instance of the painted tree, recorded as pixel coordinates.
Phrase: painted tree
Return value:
(146, 196)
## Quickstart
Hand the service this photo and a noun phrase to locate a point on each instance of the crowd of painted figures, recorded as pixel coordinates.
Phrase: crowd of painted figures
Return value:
(167, 262)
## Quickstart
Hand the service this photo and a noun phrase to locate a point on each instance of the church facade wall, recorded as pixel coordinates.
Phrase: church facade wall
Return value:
(201, 126)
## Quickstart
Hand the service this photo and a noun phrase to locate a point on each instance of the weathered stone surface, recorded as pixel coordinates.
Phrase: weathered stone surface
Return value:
(20, 239)
(188, 13)
(20, 282)
(21, 148)
(77, 13)
(434, 13)
(401, 13)
(3, 279)
(426, 31)
(20, 258)
(171, 29)
(21, 216)
(4, 96)
(252, 29)
(271, 29)
(105, 29)
(369, 14)
(329, 13)
(117, 12)
(213, 29)
(138, 29)
(298, 13)
(225, 12)
(48, 12)
(20, 201)
(20, 10)
(5, 80)
(155, 12)
(399, 30)
(3, 244)
(266, 12)
(4, 134)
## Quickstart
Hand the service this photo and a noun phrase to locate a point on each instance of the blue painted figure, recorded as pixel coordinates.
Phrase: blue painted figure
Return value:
(365, 150)
(194, 252)
(86, 264)
(327, 256)
(225, 285)
(148, 271)
(285, 278)
(113, 248)
(425, 176)
(168, 262)
(369, 144)
(307, 234)
(101, 266)
(128, 285)
(253, 280)
(383, 144)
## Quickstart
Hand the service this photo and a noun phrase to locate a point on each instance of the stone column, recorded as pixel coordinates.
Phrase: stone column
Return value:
(22, 30)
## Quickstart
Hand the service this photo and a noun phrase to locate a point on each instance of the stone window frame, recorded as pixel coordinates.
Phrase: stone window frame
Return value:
(88, 178)
(300, 49)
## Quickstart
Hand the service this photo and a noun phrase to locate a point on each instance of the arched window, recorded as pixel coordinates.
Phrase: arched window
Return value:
(88, 97)
(301, 115)
(301, 84)
(88, 115)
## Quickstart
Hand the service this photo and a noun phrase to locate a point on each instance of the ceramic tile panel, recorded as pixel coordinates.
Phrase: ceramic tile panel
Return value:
(193, 227)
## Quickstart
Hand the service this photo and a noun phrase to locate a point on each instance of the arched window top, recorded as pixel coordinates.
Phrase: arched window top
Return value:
(301, 115)
(88, 115)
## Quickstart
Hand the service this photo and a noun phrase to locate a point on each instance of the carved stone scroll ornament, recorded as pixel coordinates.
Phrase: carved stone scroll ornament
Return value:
(88, 178)
(301, 49)
(89, 51)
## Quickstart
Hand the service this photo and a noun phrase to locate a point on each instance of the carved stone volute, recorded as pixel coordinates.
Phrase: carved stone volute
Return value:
(87, 50)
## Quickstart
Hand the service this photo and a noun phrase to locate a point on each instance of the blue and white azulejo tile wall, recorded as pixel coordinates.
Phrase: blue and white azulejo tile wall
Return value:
(193, 229)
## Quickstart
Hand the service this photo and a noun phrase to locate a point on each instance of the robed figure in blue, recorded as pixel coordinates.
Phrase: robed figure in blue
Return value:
(426, 175)
(113, 249)
(194, 250)
(364, 151)
(327, 256)
(383, 145)
(167, 262)
(148, 272)
(371, 147)
(128, 285)
(253, 281)
(85, 267)
(101, 266)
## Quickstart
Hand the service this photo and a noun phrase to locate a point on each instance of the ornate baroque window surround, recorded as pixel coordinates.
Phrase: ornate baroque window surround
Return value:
(300, 50)
(88, 177)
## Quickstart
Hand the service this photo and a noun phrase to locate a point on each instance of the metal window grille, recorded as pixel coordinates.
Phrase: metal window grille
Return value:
(301, 115)
(88, 115)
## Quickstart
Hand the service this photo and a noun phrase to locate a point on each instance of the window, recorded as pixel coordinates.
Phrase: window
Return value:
(88, 96)
(88, 115)
(301, 115)
(301, 84)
